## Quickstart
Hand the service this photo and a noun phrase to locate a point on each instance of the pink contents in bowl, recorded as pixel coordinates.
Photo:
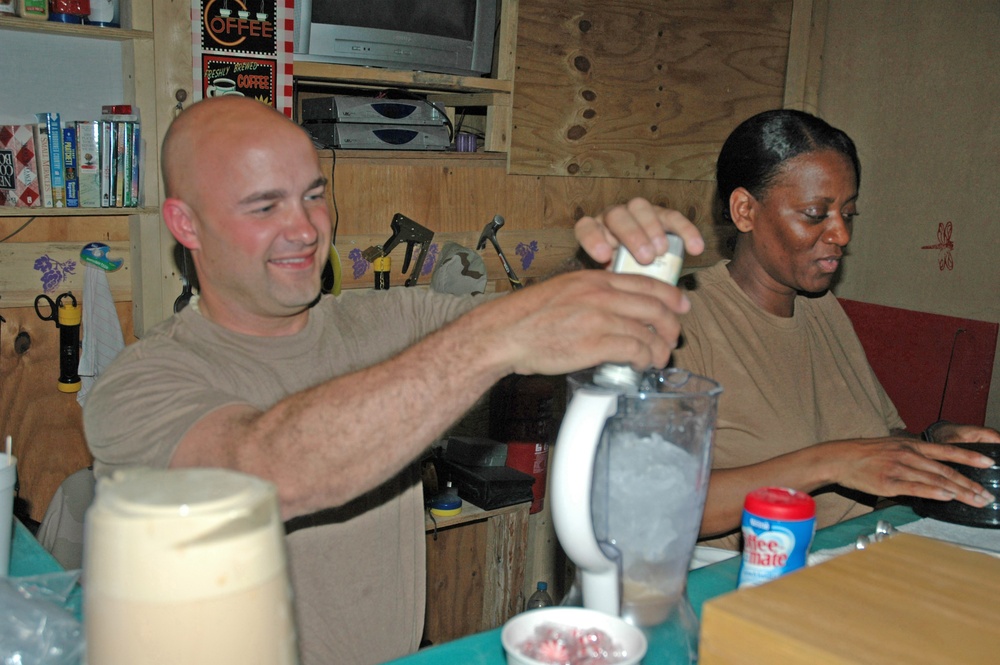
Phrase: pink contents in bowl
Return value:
(565, 645)
(571, 636)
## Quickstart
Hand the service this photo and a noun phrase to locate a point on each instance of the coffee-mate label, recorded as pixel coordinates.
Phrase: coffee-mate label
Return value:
(775, 546)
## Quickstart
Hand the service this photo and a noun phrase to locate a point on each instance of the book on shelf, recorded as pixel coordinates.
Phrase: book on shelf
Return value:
(18, 167)
(107, 163)
(123, 165)
(41, 136)
(70, 166)
(121, 126)
(88, 162)
(84, 163)
(137, 156)
(53, 127)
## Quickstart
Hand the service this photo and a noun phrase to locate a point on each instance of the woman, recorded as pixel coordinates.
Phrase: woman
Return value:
(801, 406)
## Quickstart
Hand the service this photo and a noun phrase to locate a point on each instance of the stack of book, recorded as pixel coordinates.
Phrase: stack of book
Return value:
(77, 164)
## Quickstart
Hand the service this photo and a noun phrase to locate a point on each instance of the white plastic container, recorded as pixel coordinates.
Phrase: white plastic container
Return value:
(187, 565)
(104, 13)
(666, 268)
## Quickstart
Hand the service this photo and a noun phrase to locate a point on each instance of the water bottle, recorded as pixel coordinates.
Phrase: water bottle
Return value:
(540, 598)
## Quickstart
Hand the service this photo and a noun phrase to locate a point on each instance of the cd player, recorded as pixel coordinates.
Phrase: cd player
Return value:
(375, 136)
(347, 108)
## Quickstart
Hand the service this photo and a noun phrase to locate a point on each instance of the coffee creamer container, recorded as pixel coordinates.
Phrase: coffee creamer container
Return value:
(778, 528)
(186, 566)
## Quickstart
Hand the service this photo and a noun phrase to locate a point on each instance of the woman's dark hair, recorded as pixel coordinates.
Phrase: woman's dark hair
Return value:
(754, 154)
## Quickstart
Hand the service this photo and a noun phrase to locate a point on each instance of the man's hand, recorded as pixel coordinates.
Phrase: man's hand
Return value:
(640, 226)
(578, 320)
(584, 318)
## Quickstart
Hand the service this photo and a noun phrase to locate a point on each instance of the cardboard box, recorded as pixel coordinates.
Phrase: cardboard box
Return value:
(907, 599)
(37, 9)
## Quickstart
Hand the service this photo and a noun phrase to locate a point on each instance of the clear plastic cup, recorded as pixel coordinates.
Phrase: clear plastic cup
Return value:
(8, 478)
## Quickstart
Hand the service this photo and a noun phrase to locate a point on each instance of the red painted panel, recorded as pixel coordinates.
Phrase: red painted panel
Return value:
(929, 364)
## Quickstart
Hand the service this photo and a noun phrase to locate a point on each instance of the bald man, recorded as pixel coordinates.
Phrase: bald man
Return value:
(332, 399)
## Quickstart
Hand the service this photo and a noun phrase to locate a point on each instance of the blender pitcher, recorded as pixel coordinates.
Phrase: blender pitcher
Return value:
(629, 480)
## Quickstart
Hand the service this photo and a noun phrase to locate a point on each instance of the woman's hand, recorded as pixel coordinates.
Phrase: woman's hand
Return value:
(945, 432)
(903, 466)
(896, 465)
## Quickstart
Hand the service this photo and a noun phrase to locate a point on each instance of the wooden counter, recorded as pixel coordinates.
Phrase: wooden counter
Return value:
(908, 599)
(475, 570)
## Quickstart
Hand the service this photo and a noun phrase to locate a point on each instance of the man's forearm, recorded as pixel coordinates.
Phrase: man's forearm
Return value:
(324, 446)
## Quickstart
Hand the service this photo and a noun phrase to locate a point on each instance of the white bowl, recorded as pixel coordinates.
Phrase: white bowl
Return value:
(521, 627)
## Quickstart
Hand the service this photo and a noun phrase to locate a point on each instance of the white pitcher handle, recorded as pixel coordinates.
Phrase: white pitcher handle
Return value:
(572, 481)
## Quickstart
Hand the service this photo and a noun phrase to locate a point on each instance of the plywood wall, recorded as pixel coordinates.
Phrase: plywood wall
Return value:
(456, 200)
(641, 88)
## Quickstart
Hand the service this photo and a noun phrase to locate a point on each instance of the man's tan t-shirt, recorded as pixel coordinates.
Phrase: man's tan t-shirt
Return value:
(787, 383)
(358, 577)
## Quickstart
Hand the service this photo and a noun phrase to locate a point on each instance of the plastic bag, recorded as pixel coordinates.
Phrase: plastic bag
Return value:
(35, 627)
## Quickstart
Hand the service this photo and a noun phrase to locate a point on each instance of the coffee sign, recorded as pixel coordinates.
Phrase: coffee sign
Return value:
(243, 48)
(239, 26)
(240, 77)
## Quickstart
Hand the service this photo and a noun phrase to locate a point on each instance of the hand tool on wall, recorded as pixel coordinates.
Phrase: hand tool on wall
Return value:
(67, 316)
(405, 230)
(490, 233)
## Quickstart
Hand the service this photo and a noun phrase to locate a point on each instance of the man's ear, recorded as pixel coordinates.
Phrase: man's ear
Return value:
(742, 208)
(180, 221)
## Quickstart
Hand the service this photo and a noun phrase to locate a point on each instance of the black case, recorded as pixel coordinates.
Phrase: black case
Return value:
(488, 487)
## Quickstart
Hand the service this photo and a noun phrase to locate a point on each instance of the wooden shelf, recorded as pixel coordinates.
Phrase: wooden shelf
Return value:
(76, 212)
(71, 30)
(321, 73)
(470, 513)
(475, 570)
(151, 288)
(422, 157)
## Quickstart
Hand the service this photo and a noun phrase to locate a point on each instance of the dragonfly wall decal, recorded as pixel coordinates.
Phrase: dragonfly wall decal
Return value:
(944, 246)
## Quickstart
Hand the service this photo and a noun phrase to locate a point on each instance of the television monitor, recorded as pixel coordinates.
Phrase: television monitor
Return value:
(445, 36)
